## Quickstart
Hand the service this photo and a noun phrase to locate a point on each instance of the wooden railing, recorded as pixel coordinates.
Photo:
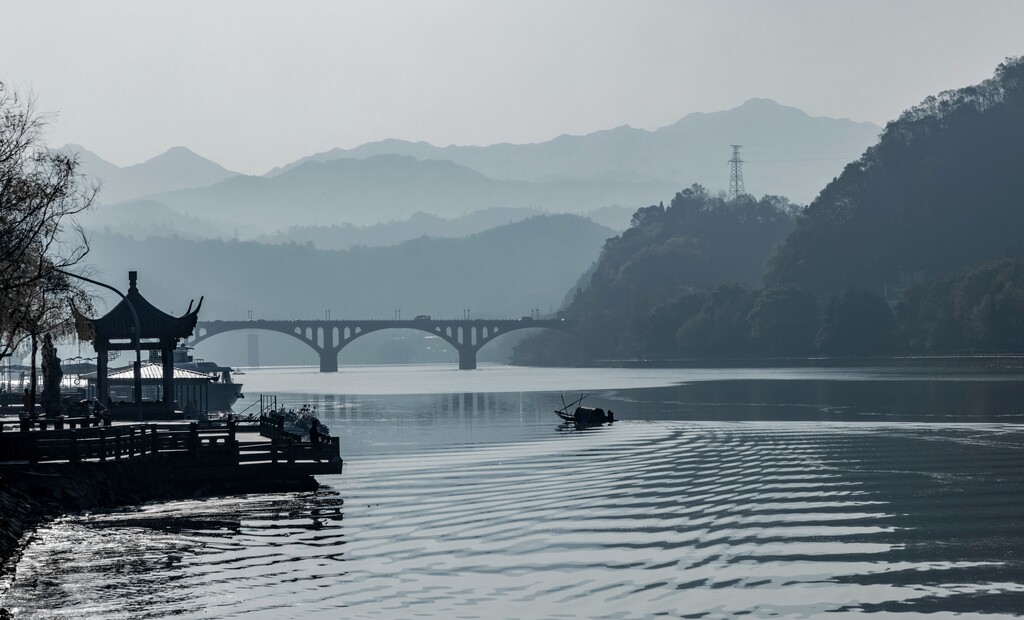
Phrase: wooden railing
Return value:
(194, 446)
(61, 423)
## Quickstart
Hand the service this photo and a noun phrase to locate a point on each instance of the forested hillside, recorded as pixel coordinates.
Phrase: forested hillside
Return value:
(914, 248)
(654, 276)
(939, 192)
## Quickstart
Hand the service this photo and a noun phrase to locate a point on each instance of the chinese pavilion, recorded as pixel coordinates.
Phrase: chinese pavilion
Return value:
(115, 331)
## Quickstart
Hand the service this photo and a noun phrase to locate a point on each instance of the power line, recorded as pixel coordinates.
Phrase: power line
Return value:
(770, 161)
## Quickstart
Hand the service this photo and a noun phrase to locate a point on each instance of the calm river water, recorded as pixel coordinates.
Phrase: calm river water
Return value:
(718, 493)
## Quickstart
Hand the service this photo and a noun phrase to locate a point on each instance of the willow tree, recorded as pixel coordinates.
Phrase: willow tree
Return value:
(41, 192)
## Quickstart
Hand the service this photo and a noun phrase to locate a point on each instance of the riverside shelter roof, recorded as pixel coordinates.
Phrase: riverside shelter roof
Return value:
(151, 372)
(153, 322)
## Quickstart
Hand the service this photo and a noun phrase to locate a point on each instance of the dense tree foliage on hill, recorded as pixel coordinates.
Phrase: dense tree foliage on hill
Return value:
(700, 240)
(653, 279)
(940, 191)
(856, 322)
(981, 308)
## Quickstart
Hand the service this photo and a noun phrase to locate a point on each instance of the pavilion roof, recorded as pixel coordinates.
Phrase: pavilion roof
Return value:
(119, 323)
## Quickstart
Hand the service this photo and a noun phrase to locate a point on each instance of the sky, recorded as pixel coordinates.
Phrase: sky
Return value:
(257, 84)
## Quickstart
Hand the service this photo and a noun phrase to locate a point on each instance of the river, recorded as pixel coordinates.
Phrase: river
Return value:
(785, 492)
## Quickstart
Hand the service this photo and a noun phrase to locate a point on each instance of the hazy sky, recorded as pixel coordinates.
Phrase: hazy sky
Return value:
(253, 85)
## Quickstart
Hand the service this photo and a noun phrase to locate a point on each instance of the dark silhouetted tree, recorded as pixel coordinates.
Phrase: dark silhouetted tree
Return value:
(40, 193)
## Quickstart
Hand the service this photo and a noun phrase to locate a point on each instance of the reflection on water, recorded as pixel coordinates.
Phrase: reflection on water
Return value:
(477, 506)
(633, 520)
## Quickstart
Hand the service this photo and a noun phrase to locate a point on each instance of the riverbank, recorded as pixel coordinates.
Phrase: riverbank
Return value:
(974, 360)
(34, 494)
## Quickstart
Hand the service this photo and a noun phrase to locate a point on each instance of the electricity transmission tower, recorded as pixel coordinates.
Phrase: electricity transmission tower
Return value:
(736, 173)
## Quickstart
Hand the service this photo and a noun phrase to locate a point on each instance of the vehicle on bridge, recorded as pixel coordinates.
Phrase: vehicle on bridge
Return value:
(422, 317)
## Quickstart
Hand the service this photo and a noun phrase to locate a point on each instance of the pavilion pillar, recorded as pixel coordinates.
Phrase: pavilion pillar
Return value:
(102, 383)
(167, 358)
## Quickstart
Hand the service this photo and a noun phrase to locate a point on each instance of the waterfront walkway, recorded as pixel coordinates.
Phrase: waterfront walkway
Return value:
(182, 444)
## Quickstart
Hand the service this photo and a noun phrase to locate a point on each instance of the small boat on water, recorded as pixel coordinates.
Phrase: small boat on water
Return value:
(291, 424)
(584, 416)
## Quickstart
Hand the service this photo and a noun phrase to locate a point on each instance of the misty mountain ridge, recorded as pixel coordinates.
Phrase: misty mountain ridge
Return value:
(387, 187)
(147, 218)
(789, 152)
(393, 232)
(501, 272)
(140, 219)
(176, 168)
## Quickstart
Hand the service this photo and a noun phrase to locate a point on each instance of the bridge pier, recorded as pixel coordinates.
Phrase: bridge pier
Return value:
(328, 361)
(467, 359)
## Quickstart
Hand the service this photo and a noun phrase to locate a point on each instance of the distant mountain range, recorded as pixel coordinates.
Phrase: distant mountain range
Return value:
(144, 218)
(386, 187)
(177, 168)
(344, 236)
(787, 152)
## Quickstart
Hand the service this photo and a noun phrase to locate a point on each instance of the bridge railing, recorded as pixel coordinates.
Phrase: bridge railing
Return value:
(61, 423)
(258, 408)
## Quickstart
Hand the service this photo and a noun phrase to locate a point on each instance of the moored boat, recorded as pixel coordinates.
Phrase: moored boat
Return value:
(584, 416)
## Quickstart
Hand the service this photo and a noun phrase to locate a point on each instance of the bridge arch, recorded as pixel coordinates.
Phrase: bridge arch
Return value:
(329, 337)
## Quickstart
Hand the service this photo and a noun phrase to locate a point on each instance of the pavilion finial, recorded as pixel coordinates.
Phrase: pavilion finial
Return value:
(133, 277)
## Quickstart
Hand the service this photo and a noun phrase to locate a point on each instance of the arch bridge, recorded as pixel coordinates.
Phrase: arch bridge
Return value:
(329, 337)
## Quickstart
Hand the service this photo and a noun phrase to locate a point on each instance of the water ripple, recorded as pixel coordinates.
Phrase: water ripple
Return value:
(686, 520)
